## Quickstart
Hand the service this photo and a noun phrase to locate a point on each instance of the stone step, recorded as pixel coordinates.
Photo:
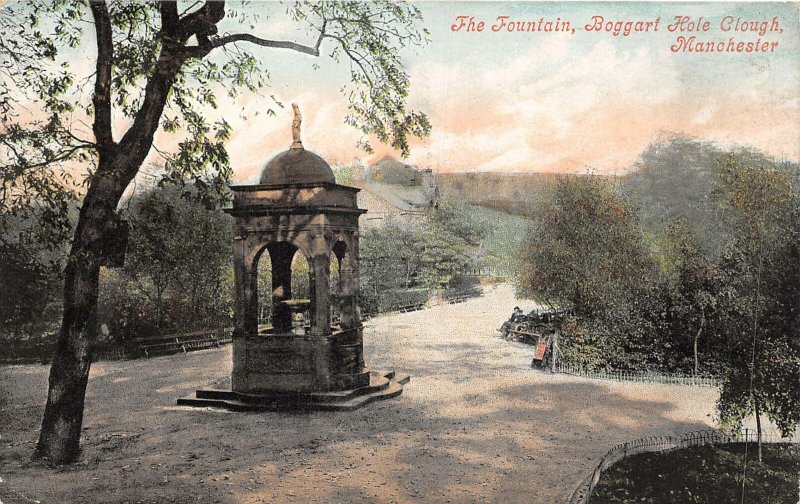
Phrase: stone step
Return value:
(393, 390)
(382, 385)
(377, 382)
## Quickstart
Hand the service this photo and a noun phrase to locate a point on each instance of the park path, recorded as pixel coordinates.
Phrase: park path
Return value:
(475, 424)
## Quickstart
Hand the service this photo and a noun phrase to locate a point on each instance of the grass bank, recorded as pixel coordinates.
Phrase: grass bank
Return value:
(704, 474)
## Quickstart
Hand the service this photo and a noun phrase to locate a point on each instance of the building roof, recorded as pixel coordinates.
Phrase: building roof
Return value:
(297, 166)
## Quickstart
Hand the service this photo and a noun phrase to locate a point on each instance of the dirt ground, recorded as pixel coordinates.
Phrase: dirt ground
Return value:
(475, 424)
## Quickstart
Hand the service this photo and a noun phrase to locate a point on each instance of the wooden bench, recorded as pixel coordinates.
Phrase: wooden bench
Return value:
(411, 307)
(184, 342)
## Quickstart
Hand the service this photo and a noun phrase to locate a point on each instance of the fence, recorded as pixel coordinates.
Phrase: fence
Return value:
(484, 271)
(583, 492)
(642, 377)
(421, 306)
(646, 377)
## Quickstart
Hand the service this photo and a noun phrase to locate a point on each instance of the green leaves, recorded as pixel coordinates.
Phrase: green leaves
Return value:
(370, 35)
(761, 289)
(587, 251)
(727, 305)
(397, 257)
(178, 268)
(55, 134)
(47, 147)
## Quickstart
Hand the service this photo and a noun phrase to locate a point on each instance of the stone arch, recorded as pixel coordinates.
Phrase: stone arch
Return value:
(280, 253)
(262, 241)
(262, 268)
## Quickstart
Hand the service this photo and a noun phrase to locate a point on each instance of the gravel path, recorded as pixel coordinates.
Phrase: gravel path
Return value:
(475, 424)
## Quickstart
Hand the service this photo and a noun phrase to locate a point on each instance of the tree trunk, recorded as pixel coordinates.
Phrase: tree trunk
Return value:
(696, 338)
(758, 424)
(59, 437)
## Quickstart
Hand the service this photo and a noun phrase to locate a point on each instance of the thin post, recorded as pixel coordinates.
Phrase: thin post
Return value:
(555, 351)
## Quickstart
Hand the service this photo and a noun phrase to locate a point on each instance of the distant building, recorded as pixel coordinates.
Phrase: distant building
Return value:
(394, 191)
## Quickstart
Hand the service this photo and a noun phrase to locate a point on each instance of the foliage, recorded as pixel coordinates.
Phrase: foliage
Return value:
(728, 306)
(42, 148)
(346, 174)
(398, 257)
(672, 181)
(31, 265)
(459, 220)
(586, 252)
(155, 68)
(178, 272)
(663, 297)
(702, 474)
(759, 309)
(29, 298)
(503, 238)
(372, 302)
(694, 292)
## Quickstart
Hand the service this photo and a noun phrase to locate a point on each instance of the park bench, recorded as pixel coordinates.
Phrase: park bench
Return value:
(411, 307)
(542, 342)
(184, 342)
(456, 299)
(519, 333)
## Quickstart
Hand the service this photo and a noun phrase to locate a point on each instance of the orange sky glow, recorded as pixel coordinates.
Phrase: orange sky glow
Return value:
(558, 103)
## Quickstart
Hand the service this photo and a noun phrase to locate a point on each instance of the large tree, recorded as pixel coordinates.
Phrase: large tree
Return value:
(695, 287)
(760, 291)
(158, 65)
(586, 251)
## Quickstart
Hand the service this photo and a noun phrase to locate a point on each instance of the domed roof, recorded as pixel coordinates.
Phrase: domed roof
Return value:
(297, 166)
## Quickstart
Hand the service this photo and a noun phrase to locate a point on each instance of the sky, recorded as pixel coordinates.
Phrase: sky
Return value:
(553, 102)
(565, 102)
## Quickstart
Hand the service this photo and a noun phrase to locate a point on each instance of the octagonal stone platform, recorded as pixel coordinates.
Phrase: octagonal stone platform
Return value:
(383, 385)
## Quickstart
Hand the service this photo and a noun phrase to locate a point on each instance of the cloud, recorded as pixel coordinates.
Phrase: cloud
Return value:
(558, 106)
(560, 111)
(531, 118)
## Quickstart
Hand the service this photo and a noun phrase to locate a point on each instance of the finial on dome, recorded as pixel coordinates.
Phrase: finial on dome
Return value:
(296, 143)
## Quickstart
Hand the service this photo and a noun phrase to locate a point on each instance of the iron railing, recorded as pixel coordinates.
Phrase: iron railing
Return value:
(583, 491)
(642, 377)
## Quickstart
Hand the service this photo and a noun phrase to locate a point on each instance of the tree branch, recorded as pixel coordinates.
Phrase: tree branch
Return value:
(101, 99)
(356, 58)
(61, 156)
(136, 142)
(277, 44)
(203, 22)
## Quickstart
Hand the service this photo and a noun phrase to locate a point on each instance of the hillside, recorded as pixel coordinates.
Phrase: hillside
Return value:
(513, 193)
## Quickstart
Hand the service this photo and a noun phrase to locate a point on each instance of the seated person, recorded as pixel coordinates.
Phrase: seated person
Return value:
(516, 316)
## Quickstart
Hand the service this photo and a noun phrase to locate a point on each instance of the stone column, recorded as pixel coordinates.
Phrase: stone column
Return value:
(320, 295)
(245, 262)
(349, 289)
(348, 272)
(239, 274)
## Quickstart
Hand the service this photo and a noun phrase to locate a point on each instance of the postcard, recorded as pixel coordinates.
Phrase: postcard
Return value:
(399, 252)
